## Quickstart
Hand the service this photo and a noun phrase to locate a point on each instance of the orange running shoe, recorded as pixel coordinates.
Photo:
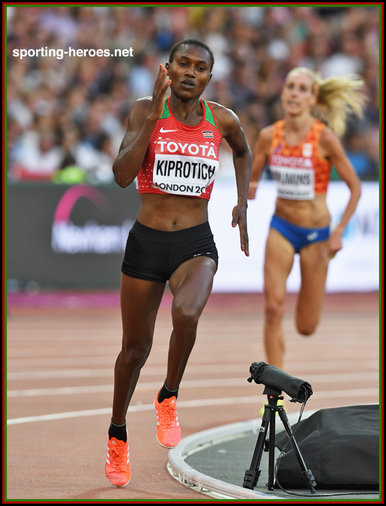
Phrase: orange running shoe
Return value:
(117, 467)
(168, 427)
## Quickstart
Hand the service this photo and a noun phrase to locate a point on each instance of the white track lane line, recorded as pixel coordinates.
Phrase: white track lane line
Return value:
(185, 404)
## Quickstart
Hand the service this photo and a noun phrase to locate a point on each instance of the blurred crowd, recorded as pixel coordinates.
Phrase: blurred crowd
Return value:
(66, 117)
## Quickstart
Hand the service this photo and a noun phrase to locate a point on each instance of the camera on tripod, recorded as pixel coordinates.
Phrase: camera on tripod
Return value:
(276, 379)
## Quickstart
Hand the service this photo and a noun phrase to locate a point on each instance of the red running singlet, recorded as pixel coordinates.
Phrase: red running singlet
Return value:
(181, 159)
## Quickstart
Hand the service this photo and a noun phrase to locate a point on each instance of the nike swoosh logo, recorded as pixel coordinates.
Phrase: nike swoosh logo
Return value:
(312, 236)
(165, 131)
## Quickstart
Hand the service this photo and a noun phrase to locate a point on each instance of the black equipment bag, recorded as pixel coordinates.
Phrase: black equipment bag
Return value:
(339, 445)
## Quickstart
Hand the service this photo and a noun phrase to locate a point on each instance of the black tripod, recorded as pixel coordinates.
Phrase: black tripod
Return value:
(252, 475)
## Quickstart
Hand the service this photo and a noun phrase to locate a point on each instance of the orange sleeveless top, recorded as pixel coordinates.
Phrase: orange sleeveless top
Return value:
(299, 171)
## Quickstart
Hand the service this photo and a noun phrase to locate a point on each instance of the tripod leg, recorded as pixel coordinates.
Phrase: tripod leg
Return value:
(253, 473)
(271, 454)
(307, 472)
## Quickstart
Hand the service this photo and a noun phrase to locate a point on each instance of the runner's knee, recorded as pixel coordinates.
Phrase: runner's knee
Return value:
(185, 316)
(306, 328)
(135, 355)
(274, 311)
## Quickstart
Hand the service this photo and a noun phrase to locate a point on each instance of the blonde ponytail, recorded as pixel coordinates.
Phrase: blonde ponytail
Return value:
(337, 98)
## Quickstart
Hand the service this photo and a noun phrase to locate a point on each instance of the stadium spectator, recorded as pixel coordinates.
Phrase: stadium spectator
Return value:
(254, 49)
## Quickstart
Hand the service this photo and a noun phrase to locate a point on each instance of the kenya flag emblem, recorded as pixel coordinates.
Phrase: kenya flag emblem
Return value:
(208, 134)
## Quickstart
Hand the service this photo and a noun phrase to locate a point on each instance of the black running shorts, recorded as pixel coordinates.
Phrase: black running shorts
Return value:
(154, 254)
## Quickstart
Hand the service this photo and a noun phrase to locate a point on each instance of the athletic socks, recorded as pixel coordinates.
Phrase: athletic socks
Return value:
(165, 393)
(118, 431)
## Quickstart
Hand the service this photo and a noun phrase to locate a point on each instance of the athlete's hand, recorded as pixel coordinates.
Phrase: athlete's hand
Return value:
(334, 244)
(252, 188)
(239, 217)
(159, 92)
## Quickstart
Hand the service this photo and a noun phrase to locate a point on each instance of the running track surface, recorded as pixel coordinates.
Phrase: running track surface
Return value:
(60, 359)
